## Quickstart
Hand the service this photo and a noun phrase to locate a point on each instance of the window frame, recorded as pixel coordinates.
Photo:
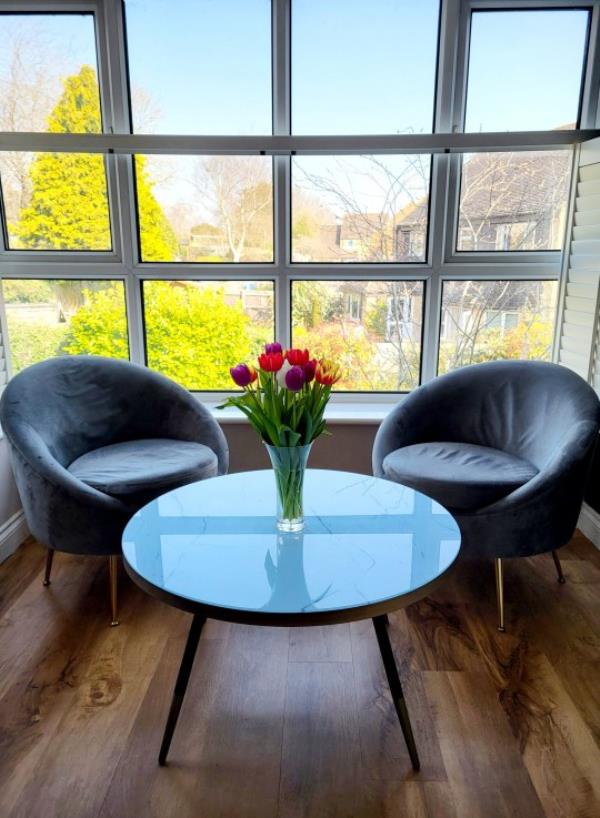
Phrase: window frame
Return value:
(445, 143)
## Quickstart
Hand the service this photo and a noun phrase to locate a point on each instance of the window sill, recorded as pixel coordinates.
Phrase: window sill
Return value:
(336, 413)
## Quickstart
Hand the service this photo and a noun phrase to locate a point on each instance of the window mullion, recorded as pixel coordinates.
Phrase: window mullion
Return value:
(281, 61)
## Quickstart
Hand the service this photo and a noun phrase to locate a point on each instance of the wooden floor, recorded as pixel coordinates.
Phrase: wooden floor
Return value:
(298, 723)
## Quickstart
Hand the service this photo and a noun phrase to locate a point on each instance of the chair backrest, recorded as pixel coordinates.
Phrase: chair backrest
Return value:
(521, 407)
(79, 403)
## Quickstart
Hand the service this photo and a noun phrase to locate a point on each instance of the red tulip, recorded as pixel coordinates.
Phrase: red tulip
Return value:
(297, 357)
(243, 374)
(327, 372)
(270, 361)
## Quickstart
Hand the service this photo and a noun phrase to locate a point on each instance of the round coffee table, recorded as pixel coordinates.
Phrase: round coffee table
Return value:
(368, 547)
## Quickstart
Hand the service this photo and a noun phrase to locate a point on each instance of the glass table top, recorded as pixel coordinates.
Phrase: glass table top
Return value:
(365, 541)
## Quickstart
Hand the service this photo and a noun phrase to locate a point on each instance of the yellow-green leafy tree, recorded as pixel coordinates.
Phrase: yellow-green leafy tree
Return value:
(68, 208)
(193, 336)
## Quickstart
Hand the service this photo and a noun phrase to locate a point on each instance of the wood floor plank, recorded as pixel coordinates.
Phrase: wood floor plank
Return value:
(226, 750)
(19, 571)
(321, 644)
(299, 723)
(486, 772)
(321, 761)
(383, 749)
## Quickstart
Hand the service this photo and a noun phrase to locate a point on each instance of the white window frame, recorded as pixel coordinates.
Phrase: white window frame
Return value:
(446, 144)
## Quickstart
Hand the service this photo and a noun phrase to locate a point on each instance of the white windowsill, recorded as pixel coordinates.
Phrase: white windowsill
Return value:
(342, 413)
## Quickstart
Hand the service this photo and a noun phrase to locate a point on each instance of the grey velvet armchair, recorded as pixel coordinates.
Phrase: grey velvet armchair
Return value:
(505, 446)
(93, 439)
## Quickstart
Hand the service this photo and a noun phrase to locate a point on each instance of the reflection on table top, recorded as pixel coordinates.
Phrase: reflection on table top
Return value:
(365, 540)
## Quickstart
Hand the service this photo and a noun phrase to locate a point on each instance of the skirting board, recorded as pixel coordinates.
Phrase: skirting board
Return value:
(589, 524)
(12, 533)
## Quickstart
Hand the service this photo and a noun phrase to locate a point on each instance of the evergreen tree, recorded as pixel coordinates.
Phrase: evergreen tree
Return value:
(68, 209)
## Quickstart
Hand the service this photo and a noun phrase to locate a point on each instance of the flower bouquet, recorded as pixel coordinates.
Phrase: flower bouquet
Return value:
(284, 399)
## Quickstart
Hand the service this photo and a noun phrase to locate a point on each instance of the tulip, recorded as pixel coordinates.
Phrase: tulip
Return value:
(243, 374)
(270, 361)
(297, 357)
(309, 370)
(294, 378)
(272, 349)
(327, 372)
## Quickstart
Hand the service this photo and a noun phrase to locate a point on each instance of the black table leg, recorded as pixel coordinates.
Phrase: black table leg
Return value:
(181, 684)
(391, 671)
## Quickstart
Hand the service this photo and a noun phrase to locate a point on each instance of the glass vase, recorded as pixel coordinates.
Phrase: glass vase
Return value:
(289, 465)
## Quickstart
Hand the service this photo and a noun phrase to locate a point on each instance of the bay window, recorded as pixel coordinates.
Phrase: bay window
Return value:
(384, 182)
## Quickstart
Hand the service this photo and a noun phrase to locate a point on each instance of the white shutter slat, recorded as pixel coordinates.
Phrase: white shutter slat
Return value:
(591, 202)
(587, 217)
(587, 172)
(583, 335)
(583, 305)
(571, 344)
(584, 276)
(578, 363)
(587, 247)
(577, 345)
(580, 319)
(586, 231)
(586, 290)
(589, 188)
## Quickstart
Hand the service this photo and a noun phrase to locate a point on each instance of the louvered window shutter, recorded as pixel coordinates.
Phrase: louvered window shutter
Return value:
(578, 346)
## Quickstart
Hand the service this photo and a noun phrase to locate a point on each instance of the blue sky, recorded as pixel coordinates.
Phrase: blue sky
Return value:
(356, 67)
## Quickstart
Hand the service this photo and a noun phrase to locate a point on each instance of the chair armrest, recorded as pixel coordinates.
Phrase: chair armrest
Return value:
(561, 480)
(398, 429)
(33, 449)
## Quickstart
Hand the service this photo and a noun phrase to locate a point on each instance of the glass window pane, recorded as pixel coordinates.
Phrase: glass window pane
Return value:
(49, 317)
(200, 66)
(48, 74)
(363, 68)
(360, 208)
(513, 201)
(197, 330)
(525, 69)
(494, 320)
(55, 201)
(205, 208)
(371, 328)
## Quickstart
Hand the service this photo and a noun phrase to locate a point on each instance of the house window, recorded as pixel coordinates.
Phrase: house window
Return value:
(294, 176)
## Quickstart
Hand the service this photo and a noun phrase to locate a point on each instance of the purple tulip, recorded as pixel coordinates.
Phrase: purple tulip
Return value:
(309, 371)
(242, 374)
(273, 349)
(294, 378)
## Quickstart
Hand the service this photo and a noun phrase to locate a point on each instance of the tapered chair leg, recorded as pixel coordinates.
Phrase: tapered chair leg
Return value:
(112, 570)
(561, 576)
(47, 572)
(500, 594)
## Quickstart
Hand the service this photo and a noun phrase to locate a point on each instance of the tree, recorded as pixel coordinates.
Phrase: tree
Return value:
(68, 205)
(157, 237)
(193, 336)
(238, 190)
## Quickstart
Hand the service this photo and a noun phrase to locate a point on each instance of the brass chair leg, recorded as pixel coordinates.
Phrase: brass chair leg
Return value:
(500, 595)
(561, 576)
(112, 569)
(49, 558)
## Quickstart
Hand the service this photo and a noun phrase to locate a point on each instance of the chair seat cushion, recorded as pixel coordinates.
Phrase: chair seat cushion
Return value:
(460, 476)
(140, 470)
